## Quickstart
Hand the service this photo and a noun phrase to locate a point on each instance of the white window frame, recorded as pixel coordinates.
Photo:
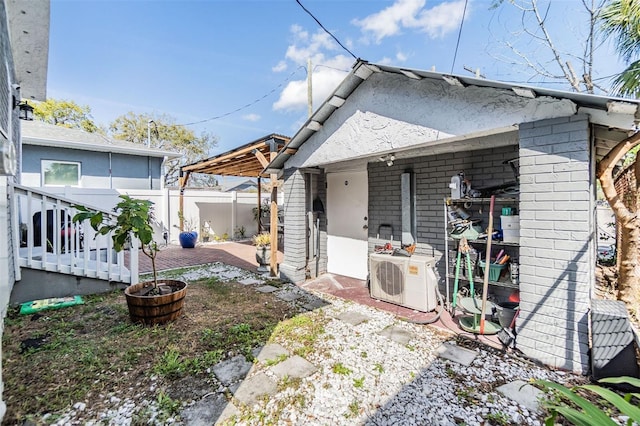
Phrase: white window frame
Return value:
(45, 163)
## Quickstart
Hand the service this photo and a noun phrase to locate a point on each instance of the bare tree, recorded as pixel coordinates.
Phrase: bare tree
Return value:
(543, 56)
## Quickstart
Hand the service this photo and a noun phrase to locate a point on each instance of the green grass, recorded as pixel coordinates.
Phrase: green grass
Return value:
(301, 332)
(339, 368)
(358, 383)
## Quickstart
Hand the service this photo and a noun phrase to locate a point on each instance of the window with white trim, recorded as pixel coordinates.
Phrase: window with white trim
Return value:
(60, 173)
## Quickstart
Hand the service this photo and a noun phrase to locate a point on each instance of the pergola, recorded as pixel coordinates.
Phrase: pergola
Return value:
(249, 160)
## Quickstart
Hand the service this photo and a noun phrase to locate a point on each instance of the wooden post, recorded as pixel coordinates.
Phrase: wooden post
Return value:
(274, 218)
(183, 183)
(259, 204)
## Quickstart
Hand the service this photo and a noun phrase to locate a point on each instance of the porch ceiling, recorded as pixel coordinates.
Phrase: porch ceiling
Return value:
(246, 160)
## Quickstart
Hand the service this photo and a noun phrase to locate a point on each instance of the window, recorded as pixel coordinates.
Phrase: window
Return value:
(60, 173)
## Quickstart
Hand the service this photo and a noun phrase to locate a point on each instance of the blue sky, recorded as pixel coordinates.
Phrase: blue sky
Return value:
(196, 60)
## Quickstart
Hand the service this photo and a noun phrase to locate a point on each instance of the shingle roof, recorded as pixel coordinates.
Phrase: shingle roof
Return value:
(40, 133)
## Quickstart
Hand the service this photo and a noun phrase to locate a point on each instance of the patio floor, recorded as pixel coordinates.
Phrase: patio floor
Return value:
(242, 255)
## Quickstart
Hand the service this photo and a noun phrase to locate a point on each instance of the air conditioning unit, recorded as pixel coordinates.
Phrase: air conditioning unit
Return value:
(405, 281)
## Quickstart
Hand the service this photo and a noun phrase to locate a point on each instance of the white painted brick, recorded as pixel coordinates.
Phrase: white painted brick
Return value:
(569, 186)
(535, 131)
(570, 127)
(551, 234)
(553, 196)
(574, 246)
(550, 253)
(538, 187)
(551, 159)
(536, 224)
(580, 196)
(581, 216)
(581, 175)
(570, 166)
(553, 176)
(572, 206)
(552, 139)
(533, 242)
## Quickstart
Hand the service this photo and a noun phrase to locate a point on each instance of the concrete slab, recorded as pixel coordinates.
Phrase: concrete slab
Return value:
(253, 388)
(267, 289)
(397, 334)
(296, 366)
(232, 370)
(250, 281)
(288, 296)
(455, 353)
(270, 352)
(230, 275)
(523, 393)
(213, 409)
(352, 317)
(315, 303)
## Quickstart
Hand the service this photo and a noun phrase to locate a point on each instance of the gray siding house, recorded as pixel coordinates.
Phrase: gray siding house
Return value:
(344, 171)
(55, 156)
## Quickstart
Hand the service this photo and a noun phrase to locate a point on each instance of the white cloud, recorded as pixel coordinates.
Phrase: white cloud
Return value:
(280, 66)
(251, 117)
(411, 14)
(401, 57)
(385, 61)
(328, 69)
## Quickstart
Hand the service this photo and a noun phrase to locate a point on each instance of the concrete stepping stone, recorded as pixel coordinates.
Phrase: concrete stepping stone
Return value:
(353, 317)
(232, 370)
(296, 367)
(397, 334)
(250, 281)
(270, 352)
(267, 289)
(250, 391)
(289, 296)
(214, 409)
(455, 353)
(314, 304)
(230, 275)
(523, 393)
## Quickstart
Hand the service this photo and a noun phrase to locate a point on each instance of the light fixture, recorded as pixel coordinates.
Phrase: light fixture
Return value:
(26, 110)
(389, 158)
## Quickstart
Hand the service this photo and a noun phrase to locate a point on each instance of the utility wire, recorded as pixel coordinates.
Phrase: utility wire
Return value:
(217, 117)
(327, 31)
(455, 54)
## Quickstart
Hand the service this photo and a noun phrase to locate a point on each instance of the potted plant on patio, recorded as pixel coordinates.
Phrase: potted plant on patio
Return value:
(262, 242)
(189, 237)
(149, 302)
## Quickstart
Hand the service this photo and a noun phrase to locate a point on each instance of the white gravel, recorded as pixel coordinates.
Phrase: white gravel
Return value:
(363, 378)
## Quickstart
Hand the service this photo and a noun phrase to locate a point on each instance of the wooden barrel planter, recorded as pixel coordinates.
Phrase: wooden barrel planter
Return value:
(158, 309)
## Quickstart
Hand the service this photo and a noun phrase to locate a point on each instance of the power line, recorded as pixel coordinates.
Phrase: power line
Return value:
(326, 30)
(217, 117)
(455, 54)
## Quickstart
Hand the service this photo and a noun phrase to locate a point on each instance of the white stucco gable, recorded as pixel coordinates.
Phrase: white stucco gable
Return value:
(389, 113)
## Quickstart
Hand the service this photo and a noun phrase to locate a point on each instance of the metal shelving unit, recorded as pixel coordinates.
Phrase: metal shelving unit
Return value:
(451, 243)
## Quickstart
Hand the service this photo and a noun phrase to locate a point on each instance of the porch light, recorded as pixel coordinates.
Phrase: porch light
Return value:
(25, 111)
(389, 158)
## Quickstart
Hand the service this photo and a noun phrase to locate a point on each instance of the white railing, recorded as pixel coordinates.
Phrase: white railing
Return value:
(53, 242)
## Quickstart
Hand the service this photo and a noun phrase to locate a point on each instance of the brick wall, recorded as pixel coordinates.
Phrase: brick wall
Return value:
(433, 174)
(294, 264)
(556, 238)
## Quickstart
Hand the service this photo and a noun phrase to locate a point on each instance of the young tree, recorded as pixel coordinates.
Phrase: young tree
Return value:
(620, 19)
(160, 131)
(66, 114)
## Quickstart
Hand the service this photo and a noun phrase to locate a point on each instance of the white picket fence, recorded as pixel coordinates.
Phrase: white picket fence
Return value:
(50, 241)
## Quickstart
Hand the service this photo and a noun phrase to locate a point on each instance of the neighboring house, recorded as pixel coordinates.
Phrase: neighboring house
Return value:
(55, 156)
(248, 185)
(24, 41)
(345, 169)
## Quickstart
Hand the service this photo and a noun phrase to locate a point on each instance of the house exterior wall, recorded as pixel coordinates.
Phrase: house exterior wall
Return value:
(12, 132)
(557, 241)
(483, 168)
(97, 170)
(293, 267)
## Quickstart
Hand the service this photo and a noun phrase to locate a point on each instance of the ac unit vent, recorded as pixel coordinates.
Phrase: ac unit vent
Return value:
(409, 282)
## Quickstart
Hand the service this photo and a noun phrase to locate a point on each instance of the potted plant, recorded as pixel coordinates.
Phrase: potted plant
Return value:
(205, 232)
(149, 302)
(189, 237)
(262, 242)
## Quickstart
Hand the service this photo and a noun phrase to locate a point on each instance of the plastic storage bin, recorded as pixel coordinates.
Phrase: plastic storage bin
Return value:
(494, 270)
(510, 228)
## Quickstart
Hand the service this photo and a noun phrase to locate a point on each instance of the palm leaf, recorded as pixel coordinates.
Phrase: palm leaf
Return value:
(591, 410)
